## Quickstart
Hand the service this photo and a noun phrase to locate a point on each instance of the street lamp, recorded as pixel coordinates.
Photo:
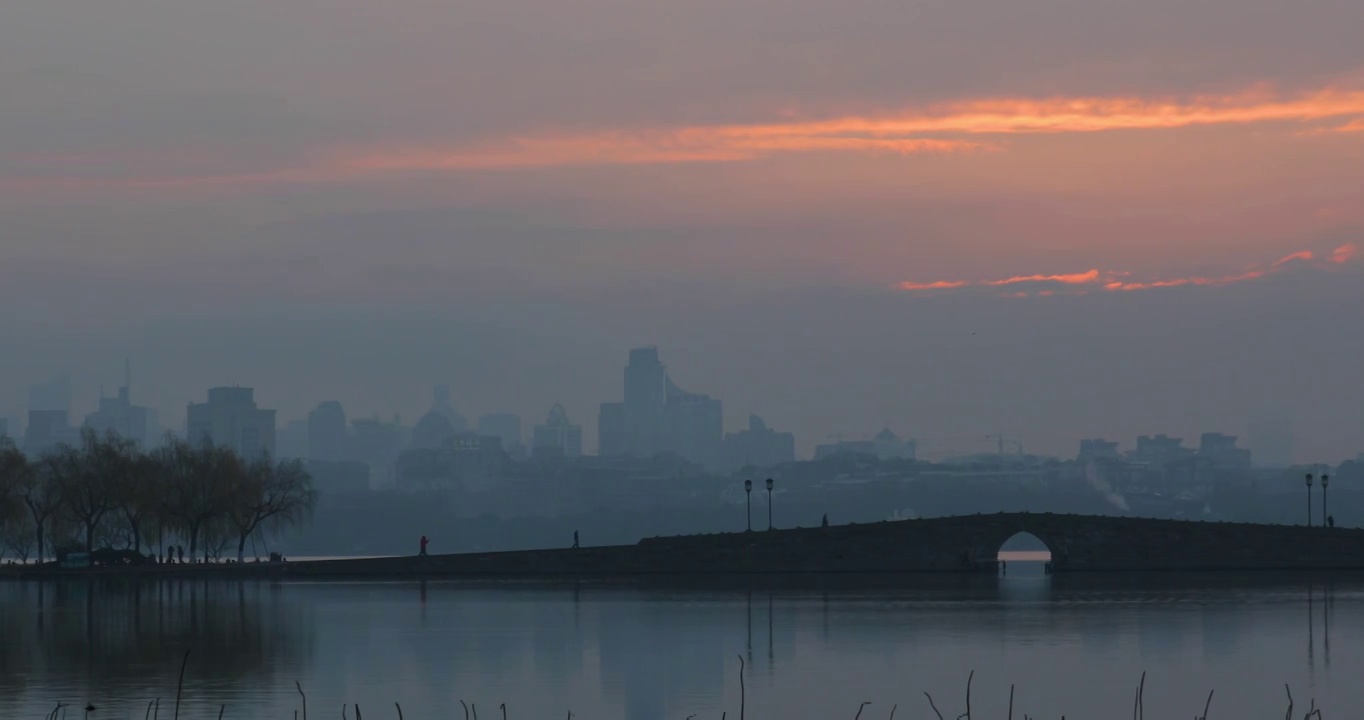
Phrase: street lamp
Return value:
(1325, 480)
(769, 503)
(1309, 499)
(748, 501)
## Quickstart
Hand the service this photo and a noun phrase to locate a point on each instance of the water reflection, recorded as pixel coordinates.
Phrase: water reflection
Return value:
(120, 637)
(1326, 595)
(668, 648)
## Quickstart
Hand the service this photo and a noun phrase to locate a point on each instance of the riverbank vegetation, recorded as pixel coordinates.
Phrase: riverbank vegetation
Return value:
(104, 492)
(929, 707)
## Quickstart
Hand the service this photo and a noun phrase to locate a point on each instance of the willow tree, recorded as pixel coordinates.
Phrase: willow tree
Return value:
(270, 496)
(92, 478)
(40, 492)
(141, 498)
(199, 483)
(14, 467)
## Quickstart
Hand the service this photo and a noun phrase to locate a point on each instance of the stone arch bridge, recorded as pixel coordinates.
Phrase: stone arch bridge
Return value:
(949, 544)
(972, 542)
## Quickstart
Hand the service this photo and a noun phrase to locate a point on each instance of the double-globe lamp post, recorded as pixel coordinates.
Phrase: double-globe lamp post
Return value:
(748, 502)
(1325, 516)
(769, 503)
(1309, 499)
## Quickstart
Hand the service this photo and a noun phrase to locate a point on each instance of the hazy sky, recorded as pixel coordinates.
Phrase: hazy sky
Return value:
(820, 211)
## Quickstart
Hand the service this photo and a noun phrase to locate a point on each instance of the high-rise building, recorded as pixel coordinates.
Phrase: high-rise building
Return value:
(506, 427)
(758, 446)
(558, 435)
(693, 426)
(119, 415)
(658, 416)
(646, 387)
(231, 419)
(1221, 452)
(327, 432)
(612, 439)
(49, 416)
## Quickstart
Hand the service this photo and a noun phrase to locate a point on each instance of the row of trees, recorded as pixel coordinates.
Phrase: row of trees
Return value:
(105, 492)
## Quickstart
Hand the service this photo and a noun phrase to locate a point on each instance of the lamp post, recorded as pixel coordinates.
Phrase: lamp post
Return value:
(769, 503)
(748, 502)
(1309, 499)
(1325, 480)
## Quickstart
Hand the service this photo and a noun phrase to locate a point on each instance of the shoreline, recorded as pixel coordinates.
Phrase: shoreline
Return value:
(958, 545)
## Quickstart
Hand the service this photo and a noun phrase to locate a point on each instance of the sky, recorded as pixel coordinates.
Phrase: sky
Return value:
(1058, 219)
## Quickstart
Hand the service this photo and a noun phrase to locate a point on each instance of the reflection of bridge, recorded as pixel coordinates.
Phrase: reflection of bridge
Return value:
(949, 544)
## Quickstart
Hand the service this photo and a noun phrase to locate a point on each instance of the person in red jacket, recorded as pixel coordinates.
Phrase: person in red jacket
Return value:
(424, 541)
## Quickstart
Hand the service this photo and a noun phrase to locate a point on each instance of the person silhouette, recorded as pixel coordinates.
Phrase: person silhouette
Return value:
(575, 538)
(1330, 521)
(423, 546)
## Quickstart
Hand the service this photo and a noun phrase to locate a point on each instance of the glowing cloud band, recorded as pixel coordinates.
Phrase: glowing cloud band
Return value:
(1116, 281)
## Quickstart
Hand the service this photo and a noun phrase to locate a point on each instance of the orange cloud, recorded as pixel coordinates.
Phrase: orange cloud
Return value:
(1116, 281)
(936, 285)
(1179, 282)
(952, 127)
(1083, 278)
(1090, 114)
(926, 130)
(1302, 255)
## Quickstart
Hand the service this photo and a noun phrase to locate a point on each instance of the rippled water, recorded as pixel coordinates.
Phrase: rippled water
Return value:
(814, 648)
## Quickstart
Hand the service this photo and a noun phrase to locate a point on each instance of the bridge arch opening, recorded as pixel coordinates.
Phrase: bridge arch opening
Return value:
(1023, 547)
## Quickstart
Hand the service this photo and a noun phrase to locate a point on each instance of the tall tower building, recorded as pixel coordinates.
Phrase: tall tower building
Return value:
(646, 387)
(120, 416)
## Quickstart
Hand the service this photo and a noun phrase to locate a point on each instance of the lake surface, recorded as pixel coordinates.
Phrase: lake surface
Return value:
(1071, 645)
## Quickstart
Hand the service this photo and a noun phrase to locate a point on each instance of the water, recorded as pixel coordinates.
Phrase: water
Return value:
(1071, 645)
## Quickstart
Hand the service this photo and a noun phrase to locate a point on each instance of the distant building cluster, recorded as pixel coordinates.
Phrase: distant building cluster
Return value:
(885, 446)
(656, 433)
(49, 416)
(1162, 466)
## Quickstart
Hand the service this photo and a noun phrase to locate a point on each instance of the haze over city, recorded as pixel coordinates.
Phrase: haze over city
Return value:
(336, 202)
(643, 359)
